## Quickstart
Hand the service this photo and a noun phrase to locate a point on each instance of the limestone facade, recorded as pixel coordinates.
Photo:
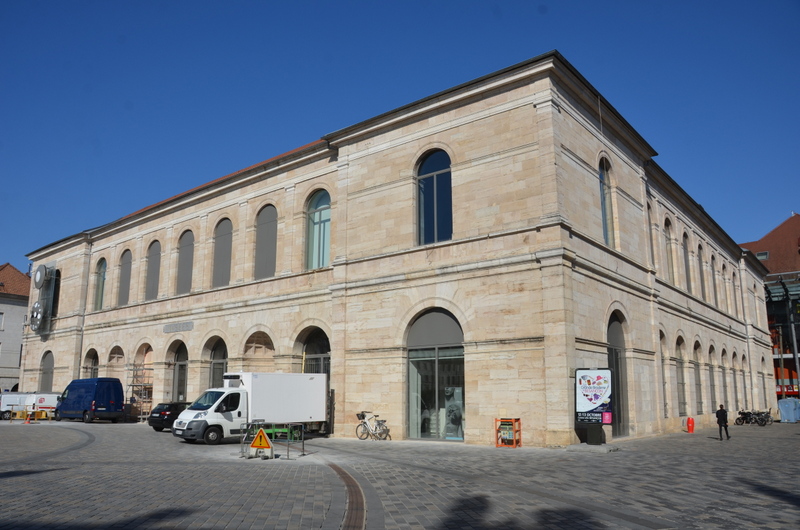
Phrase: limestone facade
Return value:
(532, 275)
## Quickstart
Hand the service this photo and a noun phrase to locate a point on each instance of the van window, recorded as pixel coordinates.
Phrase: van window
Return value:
(231, 401)
(205, 401)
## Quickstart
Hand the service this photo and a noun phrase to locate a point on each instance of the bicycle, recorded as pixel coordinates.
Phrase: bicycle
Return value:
(371, 427)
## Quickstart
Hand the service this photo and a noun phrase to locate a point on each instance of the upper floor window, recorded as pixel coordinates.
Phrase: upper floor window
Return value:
(153, 270)
(434, 199)
(124, 278)
(686, 263)
(724, 280)
(266, 242)
(701, 275)
(669, 254)
(650, 229)
(762, 255)
(185, 262)
(714, 280)
(318, 237)
(99, 284)
(223, 244)
(56, 293)
(607, 211)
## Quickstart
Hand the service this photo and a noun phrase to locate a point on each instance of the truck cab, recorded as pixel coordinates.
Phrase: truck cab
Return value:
(217, 414)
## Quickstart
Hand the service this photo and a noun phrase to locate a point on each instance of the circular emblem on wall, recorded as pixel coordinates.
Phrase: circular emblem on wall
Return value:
(37, 313)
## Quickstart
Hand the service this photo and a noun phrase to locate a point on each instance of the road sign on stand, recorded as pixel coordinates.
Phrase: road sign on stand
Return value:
(261, 444)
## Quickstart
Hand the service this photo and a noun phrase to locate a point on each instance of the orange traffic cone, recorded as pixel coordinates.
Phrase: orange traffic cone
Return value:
(28, 418)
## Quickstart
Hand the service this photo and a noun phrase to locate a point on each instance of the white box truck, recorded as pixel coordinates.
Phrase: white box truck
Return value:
(250, 397)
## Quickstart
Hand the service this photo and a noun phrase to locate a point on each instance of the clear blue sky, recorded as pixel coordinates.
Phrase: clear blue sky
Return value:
(110, 106)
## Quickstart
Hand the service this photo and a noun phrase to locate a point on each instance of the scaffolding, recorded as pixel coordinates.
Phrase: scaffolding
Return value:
(140, 392)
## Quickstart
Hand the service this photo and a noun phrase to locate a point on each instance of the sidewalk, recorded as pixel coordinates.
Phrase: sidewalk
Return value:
(98, 475)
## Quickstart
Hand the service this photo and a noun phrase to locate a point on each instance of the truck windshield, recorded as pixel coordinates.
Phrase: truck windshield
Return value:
(205, 401)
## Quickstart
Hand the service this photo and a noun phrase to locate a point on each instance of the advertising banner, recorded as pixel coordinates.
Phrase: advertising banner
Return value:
(593, 397)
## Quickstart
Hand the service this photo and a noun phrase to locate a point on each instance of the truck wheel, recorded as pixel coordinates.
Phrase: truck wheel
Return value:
(212, 436)
(6, 414)
(57, 416)
(87, 417)
(362, 432)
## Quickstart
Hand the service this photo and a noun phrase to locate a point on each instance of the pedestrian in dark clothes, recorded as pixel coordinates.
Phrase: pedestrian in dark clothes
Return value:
(722, 421)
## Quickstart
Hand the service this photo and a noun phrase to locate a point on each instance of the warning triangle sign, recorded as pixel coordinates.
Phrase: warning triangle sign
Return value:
(261, 441)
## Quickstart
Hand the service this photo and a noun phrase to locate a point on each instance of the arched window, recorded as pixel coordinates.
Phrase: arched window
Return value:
(436, 377)
(219, 363)
(180, 373)
(662, 341)
(46, 368)
(266, 242)
(124, 278)
(724, 281)
(714, 280)
(698, 386)
(434, 199)
(650, 229)
(712, 380)
(153, 270)
(318, 240)
(686, 263)
(223, 244)
(185, 262)
(723, 363)
(735, 294)
(99, 284)
(607, 211)
(317, 353)
(90, 365)
(668, 251)
(680, 376)
(701, 274)
(615, 335)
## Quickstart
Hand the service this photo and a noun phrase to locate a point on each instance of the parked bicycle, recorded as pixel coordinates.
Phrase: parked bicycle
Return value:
(371, 427)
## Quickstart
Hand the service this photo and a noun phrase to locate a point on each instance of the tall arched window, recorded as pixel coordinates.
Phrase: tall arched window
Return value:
(615, 335)
(650, 229)
(436, 392)
(266, 242)
(47, 366)
(735, 294)
(124, 278)
(723, 363)
(180, 373)
(680, 376)
(712, 380)
(185, 262)
(153, 270)
(668, 251)
(698, 386)
(724, 281)
(434, 199)
(91, 365)
(607, 211)
(701, 274)
(318, 240)
(714, 280)
(223, 244)
(219, 363)
(317, 353)
(686, 263)
(99, 284)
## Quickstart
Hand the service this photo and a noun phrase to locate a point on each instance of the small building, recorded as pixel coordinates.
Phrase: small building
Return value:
(14, 289)
(446, 263)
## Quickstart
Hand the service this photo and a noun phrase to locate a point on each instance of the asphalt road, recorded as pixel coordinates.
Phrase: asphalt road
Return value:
(70, 475)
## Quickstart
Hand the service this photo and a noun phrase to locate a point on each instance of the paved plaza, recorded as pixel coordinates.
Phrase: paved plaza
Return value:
(71, 475)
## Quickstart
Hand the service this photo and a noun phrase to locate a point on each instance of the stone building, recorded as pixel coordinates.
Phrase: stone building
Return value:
(447, 263)
(14, 288)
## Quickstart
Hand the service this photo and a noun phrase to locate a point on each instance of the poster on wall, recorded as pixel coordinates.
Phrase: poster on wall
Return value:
(593, 397)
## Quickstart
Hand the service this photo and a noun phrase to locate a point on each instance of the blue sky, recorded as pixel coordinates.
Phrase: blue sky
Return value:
(108, 107)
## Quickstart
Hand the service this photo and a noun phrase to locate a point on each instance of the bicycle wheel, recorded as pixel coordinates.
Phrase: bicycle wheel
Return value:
(362, 431)
(383, 432)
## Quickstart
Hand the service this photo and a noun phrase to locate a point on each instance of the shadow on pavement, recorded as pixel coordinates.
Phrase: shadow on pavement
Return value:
(783, 495)
(151, 520)
(470, 511)
(21, 473)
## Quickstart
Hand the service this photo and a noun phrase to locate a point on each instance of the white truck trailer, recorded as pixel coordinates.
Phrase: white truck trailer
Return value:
(250, 397)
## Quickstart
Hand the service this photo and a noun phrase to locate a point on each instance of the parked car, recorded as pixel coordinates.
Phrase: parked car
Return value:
(163, 414)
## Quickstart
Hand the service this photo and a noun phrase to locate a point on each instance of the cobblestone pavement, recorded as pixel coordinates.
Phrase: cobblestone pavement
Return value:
(70, 475)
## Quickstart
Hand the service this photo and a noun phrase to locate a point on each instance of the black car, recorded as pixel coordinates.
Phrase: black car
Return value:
(162, 416)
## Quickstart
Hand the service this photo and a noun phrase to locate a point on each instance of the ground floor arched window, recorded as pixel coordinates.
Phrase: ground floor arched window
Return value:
(180, 373)
(46, 367)
(219, 363)
(436, 396)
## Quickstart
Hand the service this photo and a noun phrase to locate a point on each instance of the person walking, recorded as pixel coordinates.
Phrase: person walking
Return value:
(722, 421)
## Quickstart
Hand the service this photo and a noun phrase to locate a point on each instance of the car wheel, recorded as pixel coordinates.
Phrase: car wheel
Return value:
(158, 429)
(212, 436)
(7, 415)
(57, 416)
(189, 440)
(87, 417)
